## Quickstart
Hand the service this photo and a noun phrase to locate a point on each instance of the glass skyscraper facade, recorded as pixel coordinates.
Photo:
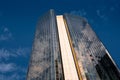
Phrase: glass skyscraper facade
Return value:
(66, 48)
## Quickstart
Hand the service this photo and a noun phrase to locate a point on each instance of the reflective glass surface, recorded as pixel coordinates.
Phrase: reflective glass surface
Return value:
(95, 63)
(45, 63)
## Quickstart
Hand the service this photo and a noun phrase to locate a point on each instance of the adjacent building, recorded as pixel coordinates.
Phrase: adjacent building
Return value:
(66, 48)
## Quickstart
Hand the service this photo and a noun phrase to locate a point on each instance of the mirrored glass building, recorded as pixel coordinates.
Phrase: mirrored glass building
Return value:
(66, 48)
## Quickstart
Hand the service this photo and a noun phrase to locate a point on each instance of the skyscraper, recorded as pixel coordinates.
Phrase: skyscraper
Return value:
(66, 48)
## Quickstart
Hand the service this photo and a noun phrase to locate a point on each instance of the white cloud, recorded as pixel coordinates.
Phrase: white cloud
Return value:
(101, 15)
(79, 12)
(13, 71)
(22, 51)
(8, 53)
(5, 34)
(14, 76)
(6, 29)
(4, 68)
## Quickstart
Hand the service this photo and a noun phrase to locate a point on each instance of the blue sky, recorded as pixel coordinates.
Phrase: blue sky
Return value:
(18, 20)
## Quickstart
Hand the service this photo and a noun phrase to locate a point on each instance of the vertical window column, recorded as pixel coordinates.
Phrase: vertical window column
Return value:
(70, 72)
